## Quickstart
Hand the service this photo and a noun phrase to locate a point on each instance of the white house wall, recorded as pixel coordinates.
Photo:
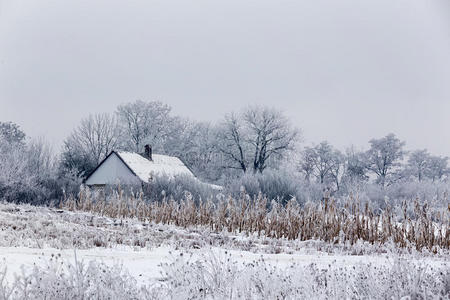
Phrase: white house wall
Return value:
(112, 171)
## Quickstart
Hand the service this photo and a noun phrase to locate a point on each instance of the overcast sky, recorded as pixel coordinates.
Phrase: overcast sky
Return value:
(343, 70)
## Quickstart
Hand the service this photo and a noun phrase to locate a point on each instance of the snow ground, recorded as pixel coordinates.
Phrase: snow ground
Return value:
(145, 264)
(32, 236)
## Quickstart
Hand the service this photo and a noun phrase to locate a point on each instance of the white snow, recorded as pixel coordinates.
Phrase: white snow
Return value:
(145, 264)
(182, 259)
(142, 264)
(159, 165)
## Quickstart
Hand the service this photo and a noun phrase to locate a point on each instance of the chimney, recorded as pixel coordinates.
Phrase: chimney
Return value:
(148, 152)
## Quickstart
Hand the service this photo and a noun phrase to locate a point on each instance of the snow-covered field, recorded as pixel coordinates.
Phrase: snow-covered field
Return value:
(165, 261)
(145, 265)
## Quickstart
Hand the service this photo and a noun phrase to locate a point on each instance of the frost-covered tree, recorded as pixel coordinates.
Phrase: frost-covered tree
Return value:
(41, 158)
(384, 158)
(338, 168)
(27, 169)
(255, 136)
(232, 142)
(270, 134)
(437, 168)
(356, 166)
(11, 133)
(323, 160)
(13, 161)
(144, 123)
(320, 160)
(325, 163)
(418, 163)
(95, 137)
(195, 143)
(308, 158)
(15, 179)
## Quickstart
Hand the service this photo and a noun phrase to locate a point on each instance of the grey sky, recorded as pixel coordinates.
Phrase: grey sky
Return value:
(343, 70)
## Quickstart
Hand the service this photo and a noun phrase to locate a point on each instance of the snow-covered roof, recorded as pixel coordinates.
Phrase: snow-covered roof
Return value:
(159, 165)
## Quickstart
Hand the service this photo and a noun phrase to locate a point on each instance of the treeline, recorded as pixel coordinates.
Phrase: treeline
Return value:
(254, 150)
(249, 141)
(386, 162)
(28, 168)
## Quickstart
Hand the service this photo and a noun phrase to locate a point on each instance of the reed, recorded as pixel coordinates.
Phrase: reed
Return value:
(325, 221)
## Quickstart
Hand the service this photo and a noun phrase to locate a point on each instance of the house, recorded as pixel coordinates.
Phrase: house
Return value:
(134, 168)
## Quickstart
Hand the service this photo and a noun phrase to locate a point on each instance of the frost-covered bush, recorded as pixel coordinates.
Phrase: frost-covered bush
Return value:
(16, 182)
(219, 276)
(162, 187)
(275, 185)
(222, 277)
(28, 173)
(59, 279)
(434, 194)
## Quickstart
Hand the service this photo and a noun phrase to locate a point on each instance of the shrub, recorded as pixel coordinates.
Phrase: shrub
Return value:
(215, 277)
(28, 173)
(177, 188)
(275, 185)
(80, 280)
(434, 194)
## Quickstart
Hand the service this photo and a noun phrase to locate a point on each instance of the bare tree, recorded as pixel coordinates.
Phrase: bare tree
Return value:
(324, 160)
(269, 133)
(195, 143)
(41, 159)
(338, 167)
(255, 136)
(308, 162)
(325, 163)
(356, 166)
(144, 122)
(91, 142)
(233, 142)
(384, 157)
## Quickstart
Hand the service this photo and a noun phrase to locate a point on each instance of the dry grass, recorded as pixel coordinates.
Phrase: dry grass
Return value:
(325, 221)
